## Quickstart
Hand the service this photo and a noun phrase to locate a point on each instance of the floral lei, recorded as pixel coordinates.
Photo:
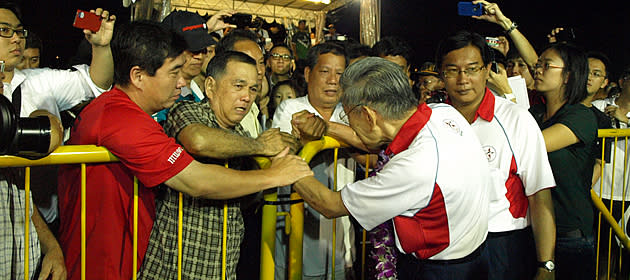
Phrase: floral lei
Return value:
(383, 250)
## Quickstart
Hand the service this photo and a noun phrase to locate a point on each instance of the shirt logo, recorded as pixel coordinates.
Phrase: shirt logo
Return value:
(491, 153)
(453, 125)
(175, 155)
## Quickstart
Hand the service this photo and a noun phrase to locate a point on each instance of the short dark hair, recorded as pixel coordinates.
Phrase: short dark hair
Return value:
(33, 42)
(326, 47)
(576, 67)
(13, 7)
(462, 39)
(380, 84)
(216, 66)
(302, 21)
(145, 44)
(355, 50)
(601, 57)
(235, 36)
(393, 46)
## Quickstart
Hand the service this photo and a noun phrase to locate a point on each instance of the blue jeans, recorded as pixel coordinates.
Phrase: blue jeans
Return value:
(575, 258)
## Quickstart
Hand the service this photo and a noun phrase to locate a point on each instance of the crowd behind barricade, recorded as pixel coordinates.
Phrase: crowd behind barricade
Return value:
(482, 160)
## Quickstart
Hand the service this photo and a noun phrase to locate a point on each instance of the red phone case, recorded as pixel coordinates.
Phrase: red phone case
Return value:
(87, 20)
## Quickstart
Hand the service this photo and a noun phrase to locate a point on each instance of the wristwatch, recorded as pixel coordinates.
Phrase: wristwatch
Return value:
(548, 265)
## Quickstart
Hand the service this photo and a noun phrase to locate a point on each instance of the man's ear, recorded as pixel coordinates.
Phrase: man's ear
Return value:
(605, 83)
(307, 71)
(210, 85)
(370, 116)
(135, 76)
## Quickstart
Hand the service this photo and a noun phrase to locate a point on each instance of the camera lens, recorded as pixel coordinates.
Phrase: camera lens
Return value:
(22, 136)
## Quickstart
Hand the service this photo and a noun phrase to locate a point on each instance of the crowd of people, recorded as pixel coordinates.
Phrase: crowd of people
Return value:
(482, 161)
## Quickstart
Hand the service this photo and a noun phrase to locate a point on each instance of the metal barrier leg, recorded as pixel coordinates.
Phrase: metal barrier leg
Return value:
(268, 238)
(296, 238)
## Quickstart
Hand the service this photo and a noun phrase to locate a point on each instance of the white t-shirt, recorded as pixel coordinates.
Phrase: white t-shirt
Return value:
(435, 189)
(619, 154)
(516, 152)
(52, 90)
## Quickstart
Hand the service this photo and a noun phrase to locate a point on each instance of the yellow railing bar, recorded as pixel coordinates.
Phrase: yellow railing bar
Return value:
(134, 249)
(83, 219)
(296, 238)
(609, 218)
(180, 218)
(72, 154)
(27, 219)
(224, 239)
(334, 220)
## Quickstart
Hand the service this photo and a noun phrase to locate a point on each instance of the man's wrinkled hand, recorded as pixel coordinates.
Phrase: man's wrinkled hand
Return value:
(274, 141)
(309, 126)
(103, 36)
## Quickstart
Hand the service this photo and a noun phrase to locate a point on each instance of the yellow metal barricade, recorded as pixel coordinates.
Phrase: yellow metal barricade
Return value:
(294, 220)
(83, 154)
(613, 138)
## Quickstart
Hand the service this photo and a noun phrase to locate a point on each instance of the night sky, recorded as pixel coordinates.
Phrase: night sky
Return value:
(599, 25)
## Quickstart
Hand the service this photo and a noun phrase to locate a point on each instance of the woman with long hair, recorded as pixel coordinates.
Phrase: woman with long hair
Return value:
(570, 132)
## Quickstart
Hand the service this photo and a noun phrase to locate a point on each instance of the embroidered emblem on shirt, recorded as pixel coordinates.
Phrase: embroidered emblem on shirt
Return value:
(491, 153)
(453, 125)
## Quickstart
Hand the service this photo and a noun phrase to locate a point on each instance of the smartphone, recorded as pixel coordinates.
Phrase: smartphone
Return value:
(494, 67)
(492, 42)
(87, 20)
(469, 9)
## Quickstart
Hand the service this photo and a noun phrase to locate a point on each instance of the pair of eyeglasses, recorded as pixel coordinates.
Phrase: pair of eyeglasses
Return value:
(343, 116)
(546, 66)
(7, 32)
(470, 71)
(278, 56)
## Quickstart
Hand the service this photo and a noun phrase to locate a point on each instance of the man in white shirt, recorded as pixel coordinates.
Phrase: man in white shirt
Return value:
(515, 150)
(48, 89)
(309, 118)
(438, 218)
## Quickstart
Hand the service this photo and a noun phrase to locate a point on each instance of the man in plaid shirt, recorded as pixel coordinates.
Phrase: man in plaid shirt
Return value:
(231, 87)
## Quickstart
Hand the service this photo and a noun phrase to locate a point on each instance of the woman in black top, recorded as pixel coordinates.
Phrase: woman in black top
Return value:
(570, 132)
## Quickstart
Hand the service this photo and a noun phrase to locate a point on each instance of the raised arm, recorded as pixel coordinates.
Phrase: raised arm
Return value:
(102, 65)
(493, 14)
(216, 182)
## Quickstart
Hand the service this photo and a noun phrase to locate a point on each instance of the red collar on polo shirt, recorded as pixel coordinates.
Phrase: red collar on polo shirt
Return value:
(409, 130)
(486, 107)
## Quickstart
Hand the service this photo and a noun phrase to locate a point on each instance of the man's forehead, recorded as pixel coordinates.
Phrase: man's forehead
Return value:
(7, 17)
(329, 59)
(240, 71)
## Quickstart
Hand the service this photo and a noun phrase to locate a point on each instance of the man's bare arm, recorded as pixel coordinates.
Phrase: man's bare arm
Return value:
(102, 64)
(217, 182)
(543, 226)
(201, 140)
(322, 199)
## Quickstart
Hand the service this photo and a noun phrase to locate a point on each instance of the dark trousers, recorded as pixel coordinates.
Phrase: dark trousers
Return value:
(471, 267)
(512, 255)
(575, 258)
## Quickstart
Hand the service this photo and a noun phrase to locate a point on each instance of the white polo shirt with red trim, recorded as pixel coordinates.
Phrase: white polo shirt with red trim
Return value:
(434, 187)
(516, 152)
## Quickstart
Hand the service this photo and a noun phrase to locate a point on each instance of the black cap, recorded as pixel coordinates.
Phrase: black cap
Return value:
(428, 69)
(192, 27)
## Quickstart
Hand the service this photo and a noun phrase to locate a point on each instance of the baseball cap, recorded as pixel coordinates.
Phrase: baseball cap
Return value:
(192, 27)
(428, 69)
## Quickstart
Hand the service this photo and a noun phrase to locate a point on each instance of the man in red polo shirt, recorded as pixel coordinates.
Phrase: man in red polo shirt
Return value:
(147, 78)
